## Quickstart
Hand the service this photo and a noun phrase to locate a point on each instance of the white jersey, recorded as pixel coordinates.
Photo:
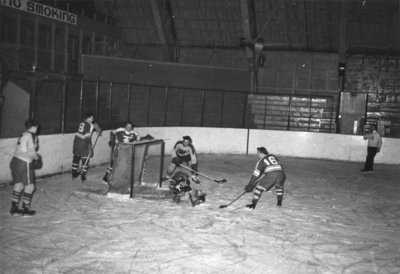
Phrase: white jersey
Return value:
(26, 147)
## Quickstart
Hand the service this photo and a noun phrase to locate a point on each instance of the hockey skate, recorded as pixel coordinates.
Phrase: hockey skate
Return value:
(176, 198)
(15, 210)
(27, 211)
(251, 206)
(75, 174)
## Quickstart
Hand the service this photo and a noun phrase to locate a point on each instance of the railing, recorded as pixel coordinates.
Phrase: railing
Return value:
(59, 107)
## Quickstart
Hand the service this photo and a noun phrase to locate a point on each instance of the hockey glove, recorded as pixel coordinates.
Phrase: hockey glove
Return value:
(97, 128)
(175, 161)
(37, 163)
(249, 187)
(147, 137)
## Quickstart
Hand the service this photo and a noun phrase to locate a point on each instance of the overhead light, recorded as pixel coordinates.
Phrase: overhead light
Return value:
(259, 45)
(342, 68)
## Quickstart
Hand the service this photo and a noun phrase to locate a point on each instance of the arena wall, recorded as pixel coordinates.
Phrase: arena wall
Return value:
(56, 150)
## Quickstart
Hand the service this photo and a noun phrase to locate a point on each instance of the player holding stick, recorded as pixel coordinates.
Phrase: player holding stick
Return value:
(184, 152)
(268, 172)
(82, 148)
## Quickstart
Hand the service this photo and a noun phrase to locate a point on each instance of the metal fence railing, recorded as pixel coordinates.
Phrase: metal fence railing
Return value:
(59, 107)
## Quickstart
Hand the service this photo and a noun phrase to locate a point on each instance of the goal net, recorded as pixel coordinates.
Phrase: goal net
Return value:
(138, 168)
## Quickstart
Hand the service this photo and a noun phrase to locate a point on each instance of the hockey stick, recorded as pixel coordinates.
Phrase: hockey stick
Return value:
(219, 181)
(256, 182)
(113, 156)
(191, 199)
(234, 200)
(87, 159)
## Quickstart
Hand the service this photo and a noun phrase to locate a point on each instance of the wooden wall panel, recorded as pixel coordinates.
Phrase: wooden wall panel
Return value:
(147, 72)
(157, 107)
(284, 70)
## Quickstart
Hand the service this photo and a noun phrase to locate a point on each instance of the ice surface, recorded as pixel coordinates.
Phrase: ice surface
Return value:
(334, 219)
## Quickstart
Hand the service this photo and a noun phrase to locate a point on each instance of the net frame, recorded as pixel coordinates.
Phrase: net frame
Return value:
(135, 165)
(147, 144)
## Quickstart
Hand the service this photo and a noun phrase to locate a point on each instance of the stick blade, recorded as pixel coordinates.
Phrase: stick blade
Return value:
(223, 206)
(221, 181)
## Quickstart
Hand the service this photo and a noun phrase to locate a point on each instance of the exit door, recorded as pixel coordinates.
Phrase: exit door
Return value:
(352, 112)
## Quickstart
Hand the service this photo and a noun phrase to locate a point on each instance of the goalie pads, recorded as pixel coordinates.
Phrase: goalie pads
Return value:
(200, 197)
(180, 183)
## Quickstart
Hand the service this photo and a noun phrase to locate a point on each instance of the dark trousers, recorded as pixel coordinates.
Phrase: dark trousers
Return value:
(369, 163)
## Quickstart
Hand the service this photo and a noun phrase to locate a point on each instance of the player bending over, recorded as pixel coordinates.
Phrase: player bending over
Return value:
(268, 172)
(120, 135)
(179, 185)
(21, 166)
(184, 152)
(82, 148)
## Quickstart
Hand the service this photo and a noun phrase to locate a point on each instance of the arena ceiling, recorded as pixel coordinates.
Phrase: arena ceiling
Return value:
(358, 26)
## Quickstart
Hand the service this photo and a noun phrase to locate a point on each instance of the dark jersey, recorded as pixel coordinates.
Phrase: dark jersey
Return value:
(267, 164)
(180, 150)
(124, 136)
(85, 131)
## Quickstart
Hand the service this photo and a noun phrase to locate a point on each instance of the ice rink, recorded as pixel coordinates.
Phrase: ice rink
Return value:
(334, 219)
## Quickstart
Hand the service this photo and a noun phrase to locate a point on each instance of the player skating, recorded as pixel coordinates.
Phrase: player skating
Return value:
(268, 172)
(82, 147)
(184, 152)
(22, 169)
(120, 135)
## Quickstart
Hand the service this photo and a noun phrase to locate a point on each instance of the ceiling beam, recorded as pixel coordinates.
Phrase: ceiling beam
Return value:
(160, 30)
(342, 44)
(244, 12)
(175, 54)
(271, 15)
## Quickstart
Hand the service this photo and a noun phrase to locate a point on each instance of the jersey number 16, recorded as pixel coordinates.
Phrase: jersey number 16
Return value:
(271, 160)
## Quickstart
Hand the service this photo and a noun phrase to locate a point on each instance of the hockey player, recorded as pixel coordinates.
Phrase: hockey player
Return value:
(268, 172)
(22, 169)
(184, 152)
(82, 147)
(120, 135)
(180, 186)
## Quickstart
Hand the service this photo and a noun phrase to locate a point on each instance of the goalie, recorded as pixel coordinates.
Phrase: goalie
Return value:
(125, 135)
(180, 186)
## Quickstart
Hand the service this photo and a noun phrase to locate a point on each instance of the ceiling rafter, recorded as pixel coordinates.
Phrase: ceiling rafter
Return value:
(270, 16)
(245, 14)
(160, 30)
(283, 24)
